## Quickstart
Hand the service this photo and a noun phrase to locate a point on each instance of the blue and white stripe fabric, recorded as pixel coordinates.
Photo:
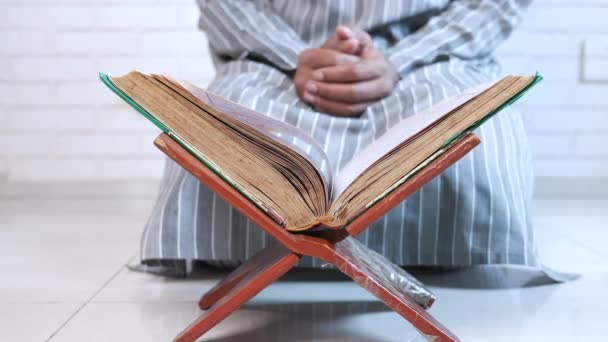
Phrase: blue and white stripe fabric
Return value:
(477, 212)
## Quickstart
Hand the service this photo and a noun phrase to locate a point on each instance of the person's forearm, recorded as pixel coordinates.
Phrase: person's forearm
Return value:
(468, 29)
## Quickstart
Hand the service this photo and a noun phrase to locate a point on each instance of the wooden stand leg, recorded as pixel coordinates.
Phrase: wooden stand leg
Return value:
(254, 276)
(368, 269)
(255, 264)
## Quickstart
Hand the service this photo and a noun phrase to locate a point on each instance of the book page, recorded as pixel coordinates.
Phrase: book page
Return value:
(279, 131)
(403, 131)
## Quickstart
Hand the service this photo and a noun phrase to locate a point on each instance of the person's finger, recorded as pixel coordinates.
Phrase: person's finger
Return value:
(331, 42)
(339, 108)
(319, 58)
(344, 32)
(365, 91)
(349, 46)
(308, 98)
(361, 71)
(365, 40)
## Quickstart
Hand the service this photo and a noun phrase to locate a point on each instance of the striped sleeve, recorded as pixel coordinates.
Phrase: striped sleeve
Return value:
(467, 29)
(238, 29)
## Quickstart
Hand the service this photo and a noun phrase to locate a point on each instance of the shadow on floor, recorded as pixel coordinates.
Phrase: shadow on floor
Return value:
(317, 321)
(474, 277)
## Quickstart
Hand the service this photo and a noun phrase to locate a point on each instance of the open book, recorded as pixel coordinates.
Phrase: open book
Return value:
(284, 171)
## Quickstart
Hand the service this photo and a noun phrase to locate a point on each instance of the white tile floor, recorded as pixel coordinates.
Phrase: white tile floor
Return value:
(63, 279)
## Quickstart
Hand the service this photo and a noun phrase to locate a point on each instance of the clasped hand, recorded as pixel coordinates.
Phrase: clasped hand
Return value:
(345, 75)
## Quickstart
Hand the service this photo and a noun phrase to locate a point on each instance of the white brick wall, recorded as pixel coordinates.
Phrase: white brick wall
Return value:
(567, 115)
(59, 123)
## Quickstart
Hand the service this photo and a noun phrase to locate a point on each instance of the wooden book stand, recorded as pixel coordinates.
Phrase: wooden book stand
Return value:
(338, 247)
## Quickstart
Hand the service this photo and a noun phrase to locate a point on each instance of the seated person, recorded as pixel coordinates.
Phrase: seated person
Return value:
(344, 72)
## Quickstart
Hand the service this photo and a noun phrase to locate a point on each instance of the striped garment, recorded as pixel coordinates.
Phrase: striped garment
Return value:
(477, 212)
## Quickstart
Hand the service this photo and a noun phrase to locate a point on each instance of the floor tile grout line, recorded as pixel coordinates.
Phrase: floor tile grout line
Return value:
(90, 299)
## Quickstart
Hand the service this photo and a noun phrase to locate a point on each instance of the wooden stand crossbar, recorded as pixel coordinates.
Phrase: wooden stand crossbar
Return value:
(339, 247)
